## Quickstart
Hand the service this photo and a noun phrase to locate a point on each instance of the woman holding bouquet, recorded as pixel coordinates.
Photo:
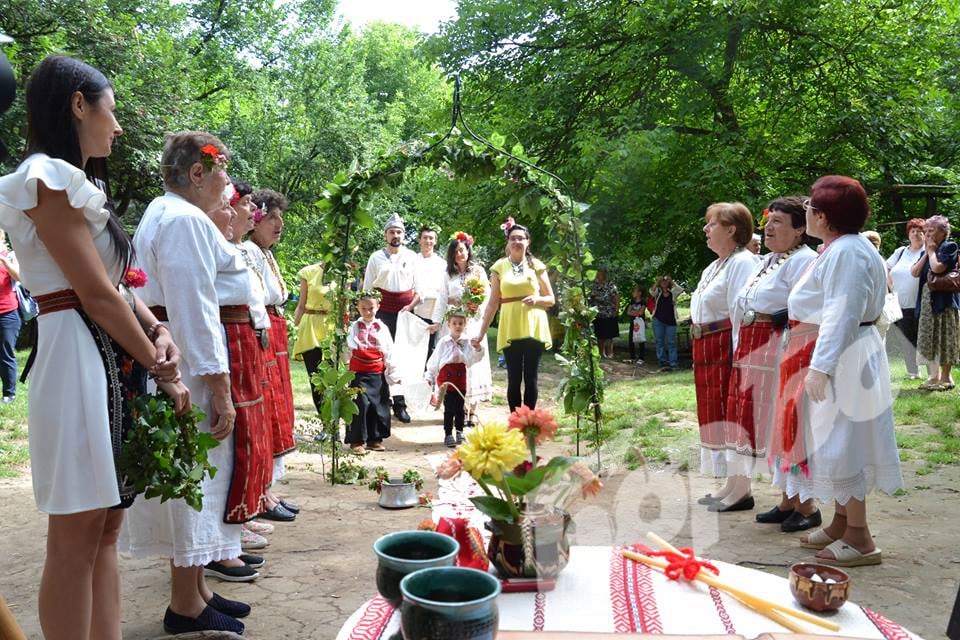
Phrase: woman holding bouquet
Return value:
(94, 343)
(521, 291)
(467, 285)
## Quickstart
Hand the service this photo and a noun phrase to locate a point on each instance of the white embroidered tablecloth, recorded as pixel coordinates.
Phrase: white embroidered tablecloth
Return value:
(601, 591)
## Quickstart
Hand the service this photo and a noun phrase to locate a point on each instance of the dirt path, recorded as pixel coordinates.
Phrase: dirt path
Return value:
(320, 568)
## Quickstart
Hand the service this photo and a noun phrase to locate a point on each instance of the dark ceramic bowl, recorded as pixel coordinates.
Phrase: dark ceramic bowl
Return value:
(819, 595)
(444, 603)
(404, 552)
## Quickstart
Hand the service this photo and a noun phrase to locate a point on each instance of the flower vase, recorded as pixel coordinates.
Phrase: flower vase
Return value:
(534, 547)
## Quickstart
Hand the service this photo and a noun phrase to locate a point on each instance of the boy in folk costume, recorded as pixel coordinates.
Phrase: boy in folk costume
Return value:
(448, 365)
(370, 346)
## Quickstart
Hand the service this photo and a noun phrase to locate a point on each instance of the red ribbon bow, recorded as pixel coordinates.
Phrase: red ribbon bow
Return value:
(684, 563)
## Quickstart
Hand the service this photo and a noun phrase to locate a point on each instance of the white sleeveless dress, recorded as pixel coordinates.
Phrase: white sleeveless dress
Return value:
(71, 456)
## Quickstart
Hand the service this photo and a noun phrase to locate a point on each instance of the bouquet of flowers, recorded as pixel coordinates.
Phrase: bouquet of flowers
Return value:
(503, 459)
(474, 293)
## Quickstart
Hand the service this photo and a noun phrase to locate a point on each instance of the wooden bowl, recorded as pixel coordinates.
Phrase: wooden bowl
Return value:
(819, 595)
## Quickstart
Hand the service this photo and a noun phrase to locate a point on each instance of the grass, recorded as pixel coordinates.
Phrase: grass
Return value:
(14, 451)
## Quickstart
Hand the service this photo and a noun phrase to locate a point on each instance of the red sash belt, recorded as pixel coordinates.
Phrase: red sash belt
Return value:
(58, 301)
(229, 314)
(366, 361)
(454, 373)
(393, 301)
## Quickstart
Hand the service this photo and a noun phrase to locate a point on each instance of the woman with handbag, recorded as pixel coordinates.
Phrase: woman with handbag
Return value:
(9, 319)
(938, 331)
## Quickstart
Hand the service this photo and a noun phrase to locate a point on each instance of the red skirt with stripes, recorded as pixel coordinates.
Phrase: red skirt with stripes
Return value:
(252, 457)
(752, 393)
(711, 376)
(280, 407)
(787, 447)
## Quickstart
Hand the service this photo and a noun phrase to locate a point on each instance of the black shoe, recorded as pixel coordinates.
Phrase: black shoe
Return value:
(400, 410)
(278, 514)
(230, 574)
(209, 620)
(745, 504)
(459, 437)
(800, 522)
(232, 608)
(252, 561)
(774, 516)
(708, 499)
(449, 441)
(292, 507)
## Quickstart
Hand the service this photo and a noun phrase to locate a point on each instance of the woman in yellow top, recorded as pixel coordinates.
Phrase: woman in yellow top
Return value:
(312, 318)
(520, 289)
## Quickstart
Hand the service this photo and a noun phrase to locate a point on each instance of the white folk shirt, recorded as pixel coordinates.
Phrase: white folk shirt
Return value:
(391, 271)
(720, 283)
(905, 283)
(450, 351)
(258, 299)
(843, 287)
(375, 336)
(276, 292)
(768, 292)
(191, 270)
(431, 278)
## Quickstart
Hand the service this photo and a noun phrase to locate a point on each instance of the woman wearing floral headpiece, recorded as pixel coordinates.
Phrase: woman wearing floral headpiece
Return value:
(467, 279)
(521, 291)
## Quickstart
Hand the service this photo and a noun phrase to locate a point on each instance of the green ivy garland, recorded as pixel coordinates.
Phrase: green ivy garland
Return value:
(344, 208)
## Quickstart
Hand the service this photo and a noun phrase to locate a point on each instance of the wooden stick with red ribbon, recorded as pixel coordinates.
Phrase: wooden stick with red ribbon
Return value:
(683, 562)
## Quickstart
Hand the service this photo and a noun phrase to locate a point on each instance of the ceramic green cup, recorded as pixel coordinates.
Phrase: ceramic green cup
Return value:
(442, 603)
(404, 552)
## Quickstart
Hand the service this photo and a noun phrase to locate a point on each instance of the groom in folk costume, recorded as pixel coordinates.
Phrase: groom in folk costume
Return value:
(391, 270)
(431, 277)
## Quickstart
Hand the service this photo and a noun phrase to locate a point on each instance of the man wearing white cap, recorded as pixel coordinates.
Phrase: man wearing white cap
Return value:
(392, 271)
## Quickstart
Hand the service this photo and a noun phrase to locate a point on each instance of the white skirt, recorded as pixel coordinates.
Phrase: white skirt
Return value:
(851, 445)
(174, 530)
(71, 455)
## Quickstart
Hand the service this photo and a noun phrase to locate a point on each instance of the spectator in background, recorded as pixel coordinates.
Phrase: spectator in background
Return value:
(9, 319)
(663, 310)
(873, 237)
(637, 310)
(907, 286)
(938, 325)
(754, 245)
(606, 298)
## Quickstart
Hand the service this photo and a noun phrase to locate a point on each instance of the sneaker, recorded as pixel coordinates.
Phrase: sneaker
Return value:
(459, 437)
(230, 574)
(209, 620)
(449, 441)
(252, 561)
(251, 541)
(8, 399)
(260, 528)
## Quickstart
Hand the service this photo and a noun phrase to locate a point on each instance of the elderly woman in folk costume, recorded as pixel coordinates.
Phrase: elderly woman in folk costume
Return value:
(466, 278)
(761, 313)
(200, 286)
(728, 229)
(833, 435)
(267, 230)
(94, 343)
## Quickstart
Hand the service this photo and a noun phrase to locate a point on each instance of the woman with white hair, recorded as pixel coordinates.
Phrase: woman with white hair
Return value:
(938, 333)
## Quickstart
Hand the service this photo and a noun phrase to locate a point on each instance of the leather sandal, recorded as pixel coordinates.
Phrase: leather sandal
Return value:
(817, 540)
(846, 556)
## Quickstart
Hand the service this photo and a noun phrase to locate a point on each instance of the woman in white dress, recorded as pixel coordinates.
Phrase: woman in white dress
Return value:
(73, 254)
(728, 228)
(833, 435)
(462, 267)
(199, 285)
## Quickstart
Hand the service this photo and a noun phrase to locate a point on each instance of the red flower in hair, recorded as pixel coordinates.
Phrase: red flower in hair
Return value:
(507, 225)
(211, 156)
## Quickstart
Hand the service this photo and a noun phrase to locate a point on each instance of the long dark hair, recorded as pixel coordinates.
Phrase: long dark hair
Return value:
(452, 256)
(51, 128)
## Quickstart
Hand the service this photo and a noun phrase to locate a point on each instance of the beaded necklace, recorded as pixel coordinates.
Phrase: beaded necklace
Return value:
(773, 266)
(250, 264)
(275, 269)
(723, 263)
(517, 267)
